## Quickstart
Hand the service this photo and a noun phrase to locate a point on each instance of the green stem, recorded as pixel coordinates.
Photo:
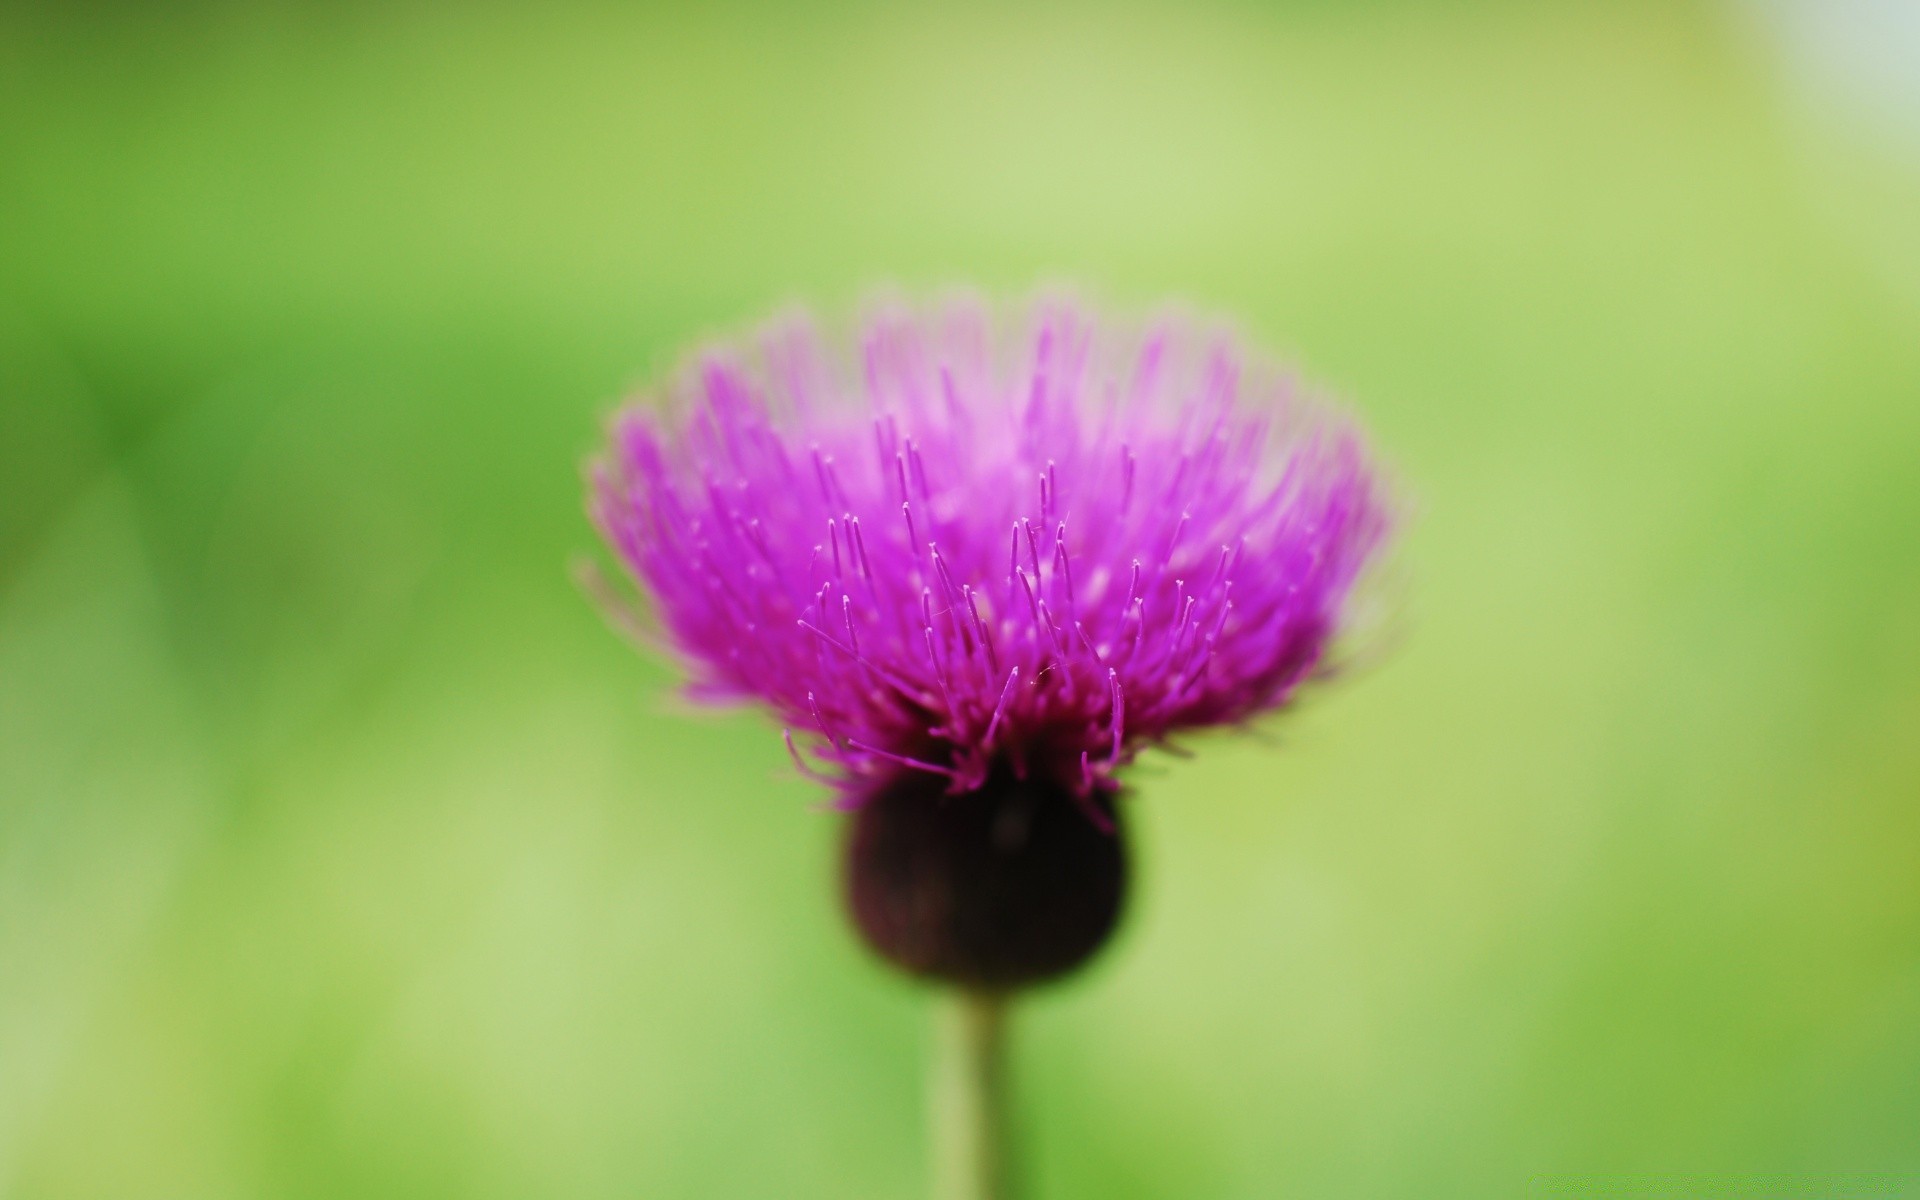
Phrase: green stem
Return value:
(968, 1098)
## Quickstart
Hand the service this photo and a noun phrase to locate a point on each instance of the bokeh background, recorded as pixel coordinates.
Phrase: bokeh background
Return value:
(345, 852)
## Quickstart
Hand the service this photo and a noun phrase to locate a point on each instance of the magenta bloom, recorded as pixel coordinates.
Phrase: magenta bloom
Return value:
(962, 554)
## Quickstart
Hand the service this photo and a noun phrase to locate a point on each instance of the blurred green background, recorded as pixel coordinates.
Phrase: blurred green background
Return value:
(345, 852)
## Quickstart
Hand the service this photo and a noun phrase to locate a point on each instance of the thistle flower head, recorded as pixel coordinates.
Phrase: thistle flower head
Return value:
(961, 556)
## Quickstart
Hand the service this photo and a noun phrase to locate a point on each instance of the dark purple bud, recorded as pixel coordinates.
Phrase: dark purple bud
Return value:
(1013, 884)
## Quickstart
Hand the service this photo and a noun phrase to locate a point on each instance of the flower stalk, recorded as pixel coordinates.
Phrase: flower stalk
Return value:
(967, 1100)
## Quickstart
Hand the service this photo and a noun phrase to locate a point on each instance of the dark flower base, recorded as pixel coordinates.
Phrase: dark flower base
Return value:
(1010, 885)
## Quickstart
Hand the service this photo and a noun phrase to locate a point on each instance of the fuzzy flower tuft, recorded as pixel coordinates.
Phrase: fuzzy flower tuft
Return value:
(966, 555)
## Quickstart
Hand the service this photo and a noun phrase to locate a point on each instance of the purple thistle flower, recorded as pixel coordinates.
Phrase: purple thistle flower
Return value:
(953, 564)
(978, 560)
